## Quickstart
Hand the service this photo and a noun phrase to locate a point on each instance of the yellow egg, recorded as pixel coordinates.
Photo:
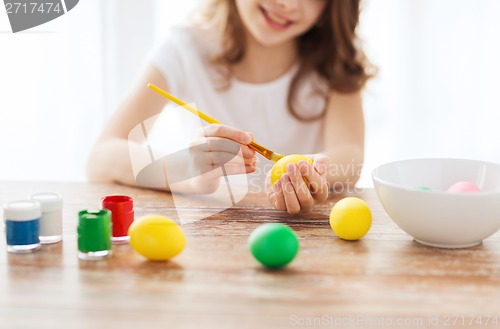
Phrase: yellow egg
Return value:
(156, 237)
(350, 218)
(279, 167)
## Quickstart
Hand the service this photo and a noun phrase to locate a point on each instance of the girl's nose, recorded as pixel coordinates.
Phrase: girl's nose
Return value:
(287, 5)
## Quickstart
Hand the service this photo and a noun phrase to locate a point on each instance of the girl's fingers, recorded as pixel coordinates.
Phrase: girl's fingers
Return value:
(267, 185)
(208, 161)
(221, 158)
(317, 183)
(236, 169)
(228, 169)
(321, 164)
(291, 201)
(277, 198)
(228, 132)
(229, 146)
(218, 159)
(247, 152)
(302, 192)
(219, 150)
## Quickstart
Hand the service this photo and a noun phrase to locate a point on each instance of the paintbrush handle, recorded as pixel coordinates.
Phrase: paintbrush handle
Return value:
(265, 152)
(185, 105)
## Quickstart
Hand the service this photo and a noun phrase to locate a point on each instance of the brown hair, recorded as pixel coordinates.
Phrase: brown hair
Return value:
(329, 49)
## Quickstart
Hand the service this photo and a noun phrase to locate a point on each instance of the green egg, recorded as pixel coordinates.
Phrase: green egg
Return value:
(424, 189)
(274, 245)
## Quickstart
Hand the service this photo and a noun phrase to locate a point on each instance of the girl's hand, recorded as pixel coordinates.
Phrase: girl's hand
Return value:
(218, 150)
(292, 194)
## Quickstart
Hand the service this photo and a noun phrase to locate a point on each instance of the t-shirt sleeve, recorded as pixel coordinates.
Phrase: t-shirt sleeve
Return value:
(167, 58)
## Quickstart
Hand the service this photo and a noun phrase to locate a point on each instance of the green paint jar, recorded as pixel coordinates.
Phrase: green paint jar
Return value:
(94, 234)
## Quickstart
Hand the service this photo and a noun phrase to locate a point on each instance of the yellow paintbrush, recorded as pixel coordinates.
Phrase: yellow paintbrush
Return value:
(267, 153)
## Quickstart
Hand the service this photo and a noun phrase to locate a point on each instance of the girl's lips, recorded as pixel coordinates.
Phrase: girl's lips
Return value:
(275, 21)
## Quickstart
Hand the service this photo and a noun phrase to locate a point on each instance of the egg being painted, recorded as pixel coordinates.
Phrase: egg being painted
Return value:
(279, 167)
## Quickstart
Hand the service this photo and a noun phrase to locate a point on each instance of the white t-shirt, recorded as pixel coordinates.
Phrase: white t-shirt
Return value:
(183, 59)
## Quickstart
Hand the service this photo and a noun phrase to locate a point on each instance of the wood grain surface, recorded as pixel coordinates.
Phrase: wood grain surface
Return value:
(385, 280)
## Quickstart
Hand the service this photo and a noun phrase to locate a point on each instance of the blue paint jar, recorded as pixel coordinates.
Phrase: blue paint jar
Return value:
(22, 226)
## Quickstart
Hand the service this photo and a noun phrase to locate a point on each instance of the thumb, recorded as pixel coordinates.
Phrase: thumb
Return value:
(321, 164)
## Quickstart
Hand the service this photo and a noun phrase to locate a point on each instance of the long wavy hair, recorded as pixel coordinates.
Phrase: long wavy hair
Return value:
(330, 49)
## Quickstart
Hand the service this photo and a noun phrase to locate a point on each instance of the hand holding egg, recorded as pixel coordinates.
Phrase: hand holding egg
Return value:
(297, 182)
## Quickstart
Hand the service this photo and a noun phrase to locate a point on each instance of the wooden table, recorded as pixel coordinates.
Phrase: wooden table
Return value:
(384, 280)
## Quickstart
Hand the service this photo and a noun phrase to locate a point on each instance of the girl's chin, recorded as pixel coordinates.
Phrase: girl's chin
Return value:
(269, 41)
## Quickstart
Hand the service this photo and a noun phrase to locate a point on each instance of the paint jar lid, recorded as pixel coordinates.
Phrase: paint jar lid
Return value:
(120, 203)
(22, 210)
(94, 213)
(48, 201)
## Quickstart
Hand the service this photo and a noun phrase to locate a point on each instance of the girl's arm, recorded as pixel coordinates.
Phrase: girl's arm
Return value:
(109, 160)
(344, 140)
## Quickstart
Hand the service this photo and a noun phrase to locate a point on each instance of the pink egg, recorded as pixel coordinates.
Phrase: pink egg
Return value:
(464, 187)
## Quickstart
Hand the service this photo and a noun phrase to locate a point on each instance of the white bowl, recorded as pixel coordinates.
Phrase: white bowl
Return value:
(438, 218)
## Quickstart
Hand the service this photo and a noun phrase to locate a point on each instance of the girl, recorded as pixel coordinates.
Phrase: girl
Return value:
(289, 71)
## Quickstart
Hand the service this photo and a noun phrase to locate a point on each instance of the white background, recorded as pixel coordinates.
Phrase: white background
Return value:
(435, 95)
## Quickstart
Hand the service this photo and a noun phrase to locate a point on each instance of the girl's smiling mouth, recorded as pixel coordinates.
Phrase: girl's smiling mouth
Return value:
(275, 20)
